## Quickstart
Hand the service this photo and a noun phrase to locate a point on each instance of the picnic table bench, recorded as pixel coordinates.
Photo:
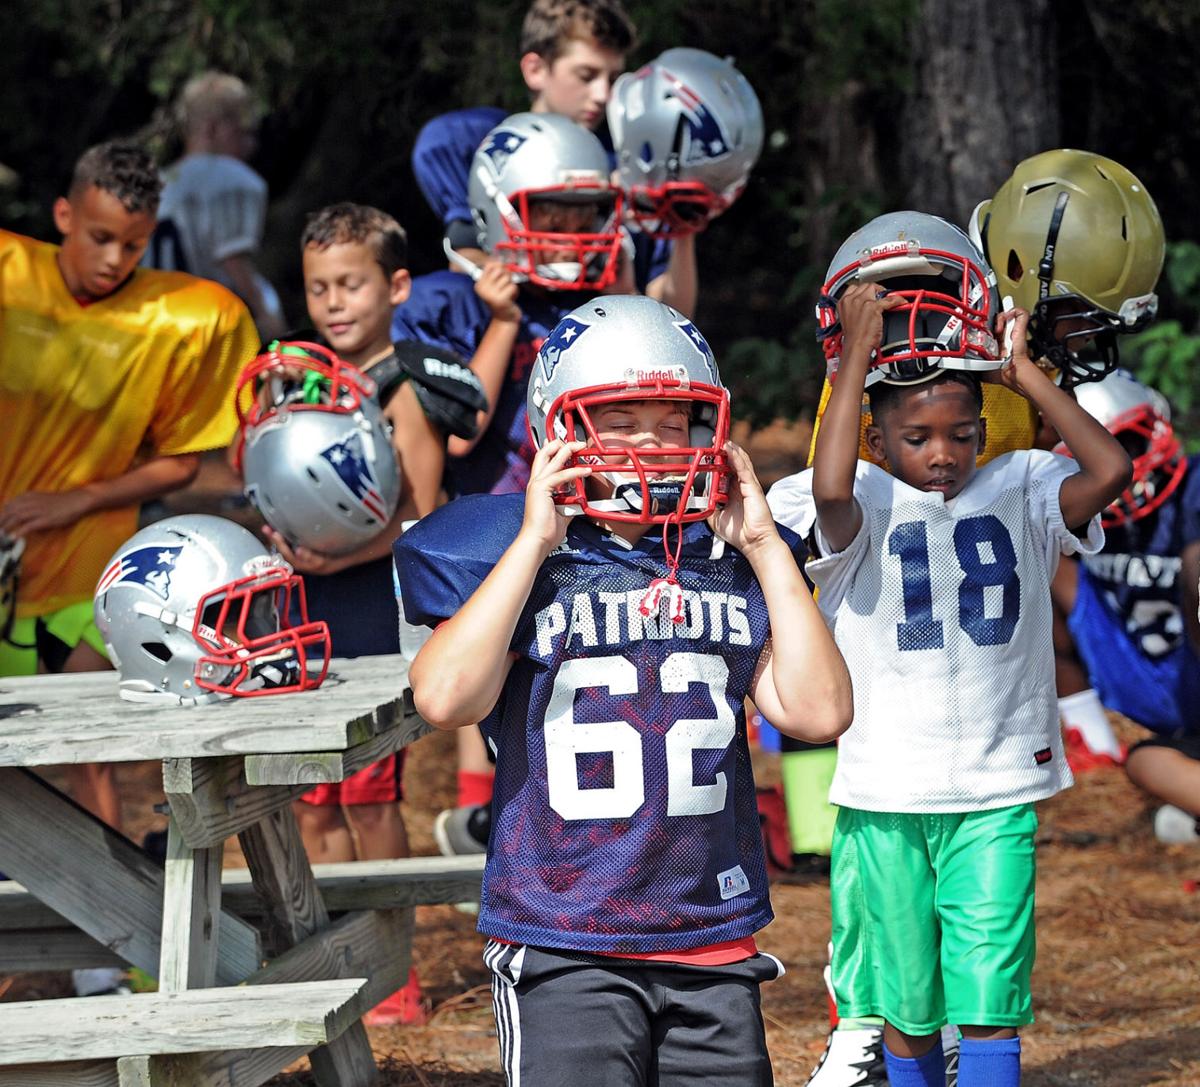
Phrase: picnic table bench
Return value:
(252, 972)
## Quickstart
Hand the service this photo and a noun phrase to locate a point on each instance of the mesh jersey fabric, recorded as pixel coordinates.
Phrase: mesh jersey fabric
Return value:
(942, 612)
(624, 815)
(218, 206)
(85, 389)
(444, 310)
(1011, 423)
(1137, 574)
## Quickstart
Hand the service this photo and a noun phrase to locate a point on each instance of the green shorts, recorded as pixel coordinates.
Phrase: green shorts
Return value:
(933, 917)
(49, 638)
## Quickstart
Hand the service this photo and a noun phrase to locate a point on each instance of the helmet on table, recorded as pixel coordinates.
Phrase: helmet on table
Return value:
(687, 129)
(950, 298)
(1076, 240)
(193, 608)
(530, 158)
(1141, 417)
(315, 449)
(629, 347)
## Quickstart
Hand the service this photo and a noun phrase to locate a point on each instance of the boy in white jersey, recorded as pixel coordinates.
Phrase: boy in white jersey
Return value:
(935, 580)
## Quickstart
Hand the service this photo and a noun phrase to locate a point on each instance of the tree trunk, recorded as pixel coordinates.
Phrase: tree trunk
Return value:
(984, 97)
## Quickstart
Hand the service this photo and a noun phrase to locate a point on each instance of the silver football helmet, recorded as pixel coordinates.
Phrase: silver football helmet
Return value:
(193, 608)
(533, 159)
(629, 347)
(687, 129)
(1140, 418)
(316, 451)
(950, 297)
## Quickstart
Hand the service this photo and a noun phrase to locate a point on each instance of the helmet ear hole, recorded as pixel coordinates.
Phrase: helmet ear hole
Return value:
(157, 650)
(1015, 271)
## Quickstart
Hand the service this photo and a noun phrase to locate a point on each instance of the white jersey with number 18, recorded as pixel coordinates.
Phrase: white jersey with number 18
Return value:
(942, 612)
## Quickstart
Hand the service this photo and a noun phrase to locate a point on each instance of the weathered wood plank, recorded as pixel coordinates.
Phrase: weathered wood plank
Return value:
(200, 1020)
(191, 906)
(354, 885)
(380, 940)
(64, 1074)
(52, 949)
(317, 767)
(211, 800)
(97, 879)
(77, 718)
(293, 910)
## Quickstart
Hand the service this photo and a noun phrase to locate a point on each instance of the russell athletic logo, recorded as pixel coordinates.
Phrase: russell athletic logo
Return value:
(148, 566)
(348, 460)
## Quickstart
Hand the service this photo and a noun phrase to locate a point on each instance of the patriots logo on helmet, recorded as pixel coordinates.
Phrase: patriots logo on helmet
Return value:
(696, 338)
(566, 333)
(706, 139)
(148, 566)
(499, 147)
(348, 459)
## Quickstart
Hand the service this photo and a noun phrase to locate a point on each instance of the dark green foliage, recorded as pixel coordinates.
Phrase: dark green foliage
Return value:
(346, 86)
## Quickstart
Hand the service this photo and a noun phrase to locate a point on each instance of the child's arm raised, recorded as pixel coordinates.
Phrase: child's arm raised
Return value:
(1104, 467)
(804, 691)
(835, 458)
(499, 290)
(459, 673)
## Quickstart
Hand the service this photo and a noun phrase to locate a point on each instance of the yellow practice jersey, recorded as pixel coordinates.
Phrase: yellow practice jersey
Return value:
(1012, 423)
(85, 390)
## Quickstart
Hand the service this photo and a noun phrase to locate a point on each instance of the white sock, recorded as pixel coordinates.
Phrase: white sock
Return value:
(1083, 711)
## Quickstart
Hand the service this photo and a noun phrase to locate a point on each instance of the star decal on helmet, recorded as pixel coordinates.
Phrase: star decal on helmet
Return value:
(696, 338)
(568, 331)
(348, 459)
(500, 146)
(706, 140)
(148, 566)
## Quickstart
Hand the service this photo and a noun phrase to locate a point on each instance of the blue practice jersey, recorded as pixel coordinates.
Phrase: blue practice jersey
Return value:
(441, 162)
(441, 158)
(624, 813)
(444, 310)
(1137, 573)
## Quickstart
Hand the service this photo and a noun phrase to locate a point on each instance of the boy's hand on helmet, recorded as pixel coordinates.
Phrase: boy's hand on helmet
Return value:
(499, 290)
(745, 521)
(1012, 328)
(302, 559)
(548, 476)
(860, 312)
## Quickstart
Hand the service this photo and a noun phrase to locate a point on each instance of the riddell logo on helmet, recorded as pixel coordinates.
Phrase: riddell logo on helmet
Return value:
(891, 249)
(646, 377)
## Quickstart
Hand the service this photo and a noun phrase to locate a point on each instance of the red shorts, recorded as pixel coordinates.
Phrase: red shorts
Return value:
(378, 783)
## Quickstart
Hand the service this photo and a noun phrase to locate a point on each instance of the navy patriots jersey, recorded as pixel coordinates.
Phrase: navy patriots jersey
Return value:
(1137, 572)
(624, 814)
(441, 162)
(444, 310)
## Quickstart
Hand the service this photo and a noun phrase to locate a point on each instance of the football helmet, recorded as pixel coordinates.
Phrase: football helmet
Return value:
(1141, 417)
(687, 129)
(535, 158)
(193, 609)
(629, 347)
(1077, 241)
(950, 297)
(315, 449)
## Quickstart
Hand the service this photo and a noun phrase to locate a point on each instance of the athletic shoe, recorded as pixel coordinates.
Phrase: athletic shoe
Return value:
(852, 1058)
(405, 1007)
(1082, 759)
(1174, 825)
(463, 831)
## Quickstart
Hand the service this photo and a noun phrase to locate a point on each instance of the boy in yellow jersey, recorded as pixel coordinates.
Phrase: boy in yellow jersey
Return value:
(113, 380)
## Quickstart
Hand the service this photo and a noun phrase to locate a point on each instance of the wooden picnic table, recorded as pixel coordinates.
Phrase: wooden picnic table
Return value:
(84, 895)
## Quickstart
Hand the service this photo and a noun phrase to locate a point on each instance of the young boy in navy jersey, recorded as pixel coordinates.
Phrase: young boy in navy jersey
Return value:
(609, 657)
